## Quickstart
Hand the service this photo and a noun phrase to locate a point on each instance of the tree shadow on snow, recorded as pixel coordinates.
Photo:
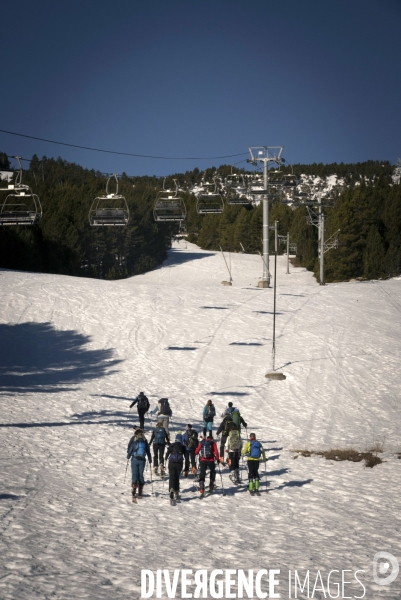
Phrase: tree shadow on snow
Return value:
(277, 473)
(181, 348)
(114, 397)
(228, 394)
(178, 257)
(9, 497)
(245, 344)
(36, 357)
(130, 399)
(294, 484)
(101, 417)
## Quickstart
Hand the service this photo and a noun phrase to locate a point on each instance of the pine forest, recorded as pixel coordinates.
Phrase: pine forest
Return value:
(366, 214)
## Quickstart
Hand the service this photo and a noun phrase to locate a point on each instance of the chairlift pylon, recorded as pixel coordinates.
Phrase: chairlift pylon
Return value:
(110, 210)
(169, 206)
(21, 206)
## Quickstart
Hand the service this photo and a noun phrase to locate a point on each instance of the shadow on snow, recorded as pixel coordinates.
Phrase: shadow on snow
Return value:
(246, 344)
(178, 257)
(36, 357)
(181, 348)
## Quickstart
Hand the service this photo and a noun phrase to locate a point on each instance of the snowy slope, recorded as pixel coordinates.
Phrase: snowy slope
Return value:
(73, 353)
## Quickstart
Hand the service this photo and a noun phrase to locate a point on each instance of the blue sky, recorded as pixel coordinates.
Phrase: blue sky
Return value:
(204, 78)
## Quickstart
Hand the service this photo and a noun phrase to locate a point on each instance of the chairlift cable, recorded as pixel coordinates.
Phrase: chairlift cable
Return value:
(31, 137)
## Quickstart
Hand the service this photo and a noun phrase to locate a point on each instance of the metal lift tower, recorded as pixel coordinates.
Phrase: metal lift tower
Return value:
(265, 154)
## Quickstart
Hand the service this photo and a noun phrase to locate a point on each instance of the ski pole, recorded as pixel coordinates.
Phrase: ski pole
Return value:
(266, 477)
(129, 413)
(126, 470)
(246, 467)
(164, 474)
(222, 484)
(151, 478)
(246, 429)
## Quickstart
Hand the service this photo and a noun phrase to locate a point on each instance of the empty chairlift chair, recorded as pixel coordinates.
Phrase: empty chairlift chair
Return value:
(210, 202)
(110, 210)
(169, 206)
(235, 180)
(236, 196)
(20, 205)
(276, 182)
(291, 180)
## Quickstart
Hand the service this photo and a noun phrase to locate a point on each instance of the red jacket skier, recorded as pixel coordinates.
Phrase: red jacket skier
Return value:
(208, 454)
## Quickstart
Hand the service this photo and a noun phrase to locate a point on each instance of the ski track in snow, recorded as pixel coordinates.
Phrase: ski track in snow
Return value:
(68, 527)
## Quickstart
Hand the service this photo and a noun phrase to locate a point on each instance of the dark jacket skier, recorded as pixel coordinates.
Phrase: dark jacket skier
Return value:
(224, 428)
(164, 413)
(138, 449)
(175, 460)
(143, 405)
(190, 440)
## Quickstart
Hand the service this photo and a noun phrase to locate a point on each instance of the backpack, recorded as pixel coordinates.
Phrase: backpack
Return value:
(160, 436)
(256, 449)
(236, 417)
(192, 438)
(165, 407)
(176, 454)
(210, 413)
(143, 402)
(139, 448)
(206, 450)
(235, 440)
(228, 423)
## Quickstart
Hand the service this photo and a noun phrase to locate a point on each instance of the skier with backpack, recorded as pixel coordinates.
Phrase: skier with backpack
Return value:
(164, 413)
(138, 449)
(175, 459)
(253, 450)
(159, 438)
(209, 412)
(234, 446)
(224, 429)
(208, 453)
(190, 440)
(143, 405)
(229, 410)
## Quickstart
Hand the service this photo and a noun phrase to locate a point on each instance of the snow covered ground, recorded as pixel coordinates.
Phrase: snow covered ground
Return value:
(73, 354)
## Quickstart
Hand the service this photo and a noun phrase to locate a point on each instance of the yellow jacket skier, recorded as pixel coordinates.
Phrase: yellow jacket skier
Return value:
(253, 450)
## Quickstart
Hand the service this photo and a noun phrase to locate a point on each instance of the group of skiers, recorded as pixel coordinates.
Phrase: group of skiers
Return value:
(182, 452)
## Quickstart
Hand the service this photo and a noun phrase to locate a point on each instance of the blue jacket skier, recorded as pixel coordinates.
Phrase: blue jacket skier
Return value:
(138, 449)
(159, 438)
(209, 412)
